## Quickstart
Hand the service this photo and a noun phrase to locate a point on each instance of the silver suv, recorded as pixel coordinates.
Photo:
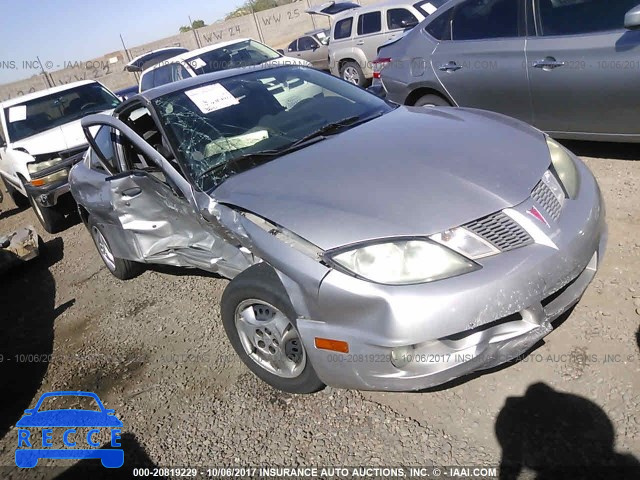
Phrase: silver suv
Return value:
(357, 33)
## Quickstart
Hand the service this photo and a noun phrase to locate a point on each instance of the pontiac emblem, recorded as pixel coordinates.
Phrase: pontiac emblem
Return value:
(534, 212)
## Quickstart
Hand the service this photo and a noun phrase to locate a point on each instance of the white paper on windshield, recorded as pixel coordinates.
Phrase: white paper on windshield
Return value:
(197, 63)
(17, 113)
(429, 8)
(211, 98)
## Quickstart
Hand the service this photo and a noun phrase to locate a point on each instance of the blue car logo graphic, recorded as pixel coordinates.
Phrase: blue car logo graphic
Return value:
(29, 452)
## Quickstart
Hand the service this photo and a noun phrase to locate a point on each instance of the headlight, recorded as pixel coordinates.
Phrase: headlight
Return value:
(36, 167)
(466, 243)
(404, 262)
(564, 167)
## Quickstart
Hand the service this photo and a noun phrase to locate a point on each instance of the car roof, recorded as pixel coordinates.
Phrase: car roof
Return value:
(373, 8)
(44, 93)
(316, 31)
(199, 51)
(194, 82)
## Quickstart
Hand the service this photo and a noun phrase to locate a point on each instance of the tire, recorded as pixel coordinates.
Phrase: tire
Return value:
(119, 267)
(51, 218)
(352, 73)
(431, 100)
(259, 292)
(18, 198)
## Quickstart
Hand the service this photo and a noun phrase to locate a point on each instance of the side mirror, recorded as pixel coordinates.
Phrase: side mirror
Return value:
(109, 411)
(30, 411)
(3, 143)
(280, 51)
(632, 19)
(315, 47)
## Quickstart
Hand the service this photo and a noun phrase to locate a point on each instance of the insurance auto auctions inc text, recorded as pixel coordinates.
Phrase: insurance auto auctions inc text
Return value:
(378, 472)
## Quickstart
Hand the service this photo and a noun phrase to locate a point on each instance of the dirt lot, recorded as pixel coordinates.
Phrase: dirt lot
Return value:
(154, 350)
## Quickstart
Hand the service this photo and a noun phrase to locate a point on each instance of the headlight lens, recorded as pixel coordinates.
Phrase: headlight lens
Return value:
(36, 167)
(404, 262)
(565, 168)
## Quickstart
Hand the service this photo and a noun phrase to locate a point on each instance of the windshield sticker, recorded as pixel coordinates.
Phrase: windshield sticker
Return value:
(211, 98)
(197, 63)
(17, 113)
(429, 8)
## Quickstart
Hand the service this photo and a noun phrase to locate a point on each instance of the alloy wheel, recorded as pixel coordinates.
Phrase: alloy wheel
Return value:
(270, 339)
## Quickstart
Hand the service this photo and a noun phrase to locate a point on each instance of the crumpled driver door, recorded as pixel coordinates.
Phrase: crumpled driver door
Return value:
(158, 219)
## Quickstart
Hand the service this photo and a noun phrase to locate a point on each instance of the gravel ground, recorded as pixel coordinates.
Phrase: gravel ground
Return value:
(154, 350)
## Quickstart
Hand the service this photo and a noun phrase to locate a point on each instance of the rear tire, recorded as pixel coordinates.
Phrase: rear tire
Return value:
(352, 73)
(431, 100)
(51, 218)
(18, 198)
(269, 343)
(119, 267)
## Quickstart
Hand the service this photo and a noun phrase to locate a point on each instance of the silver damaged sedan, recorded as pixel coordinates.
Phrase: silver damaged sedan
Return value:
(369, 246)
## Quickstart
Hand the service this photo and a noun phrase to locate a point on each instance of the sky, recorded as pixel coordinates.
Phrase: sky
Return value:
(60, 31)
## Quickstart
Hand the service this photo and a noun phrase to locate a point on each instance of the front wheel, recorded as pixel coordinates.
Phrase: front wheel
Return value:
(51, 218)
(260, 323)
(119, 267)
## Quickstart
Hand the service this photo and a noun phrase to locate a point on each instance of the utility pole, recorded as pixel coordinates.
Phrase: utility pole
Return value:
(195, 34)
(44, 72)
(255, 19)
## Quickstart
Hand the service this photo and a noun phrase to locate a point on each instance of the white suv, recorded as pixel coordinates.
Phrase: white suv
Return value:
(357, 33)
(40, 139)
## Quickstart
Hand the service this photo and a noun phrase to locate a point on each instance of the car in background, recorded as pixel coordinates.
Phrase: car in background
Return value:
(357, 33)
(124, 93)
(40, 139)
(240, 53)
(571, 70)
(488, 232)
(312, 47)
(149, 59)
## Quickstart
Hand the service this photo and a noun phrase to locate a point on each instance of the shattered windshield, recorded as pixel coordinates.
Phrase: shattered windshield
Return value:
(50, 111)
(222, 128)
(242, 54)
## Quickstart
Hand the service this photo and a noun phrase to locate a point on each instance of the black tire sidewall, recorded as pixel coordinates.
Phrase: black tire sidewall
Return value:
(430, 99)
(262, 283)
(124, 269)
(53, 220)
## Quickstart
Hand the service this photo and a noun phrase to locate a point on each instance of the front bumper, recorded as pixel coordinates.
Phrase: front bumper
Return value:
(453, 327)
(48, 195)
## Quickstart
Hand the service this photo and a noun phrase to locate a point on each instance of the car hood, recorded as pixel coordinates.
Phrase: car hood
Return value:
(414, 171)
(63, 137)
(69, 418)
(284, 60)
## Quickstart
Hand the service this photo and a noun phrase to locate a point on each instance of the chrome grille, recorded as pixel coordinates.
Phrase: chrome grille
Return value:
(544, 197)
(501, 231)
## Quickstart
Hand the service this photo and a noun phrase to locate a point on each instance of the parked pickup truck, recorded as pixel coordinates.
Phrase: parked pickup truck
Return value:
(40, 139)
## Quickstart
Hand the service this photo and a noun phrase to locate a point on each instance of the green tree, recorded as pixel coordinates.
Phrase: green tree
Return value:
(195, 24)
(252, 6)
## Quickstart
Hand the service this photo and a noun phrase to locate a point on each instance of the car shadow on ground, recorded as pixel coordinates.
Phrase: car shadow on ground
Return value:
(135, 456)
(28, 311)
(559, 435)
(617, 151)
